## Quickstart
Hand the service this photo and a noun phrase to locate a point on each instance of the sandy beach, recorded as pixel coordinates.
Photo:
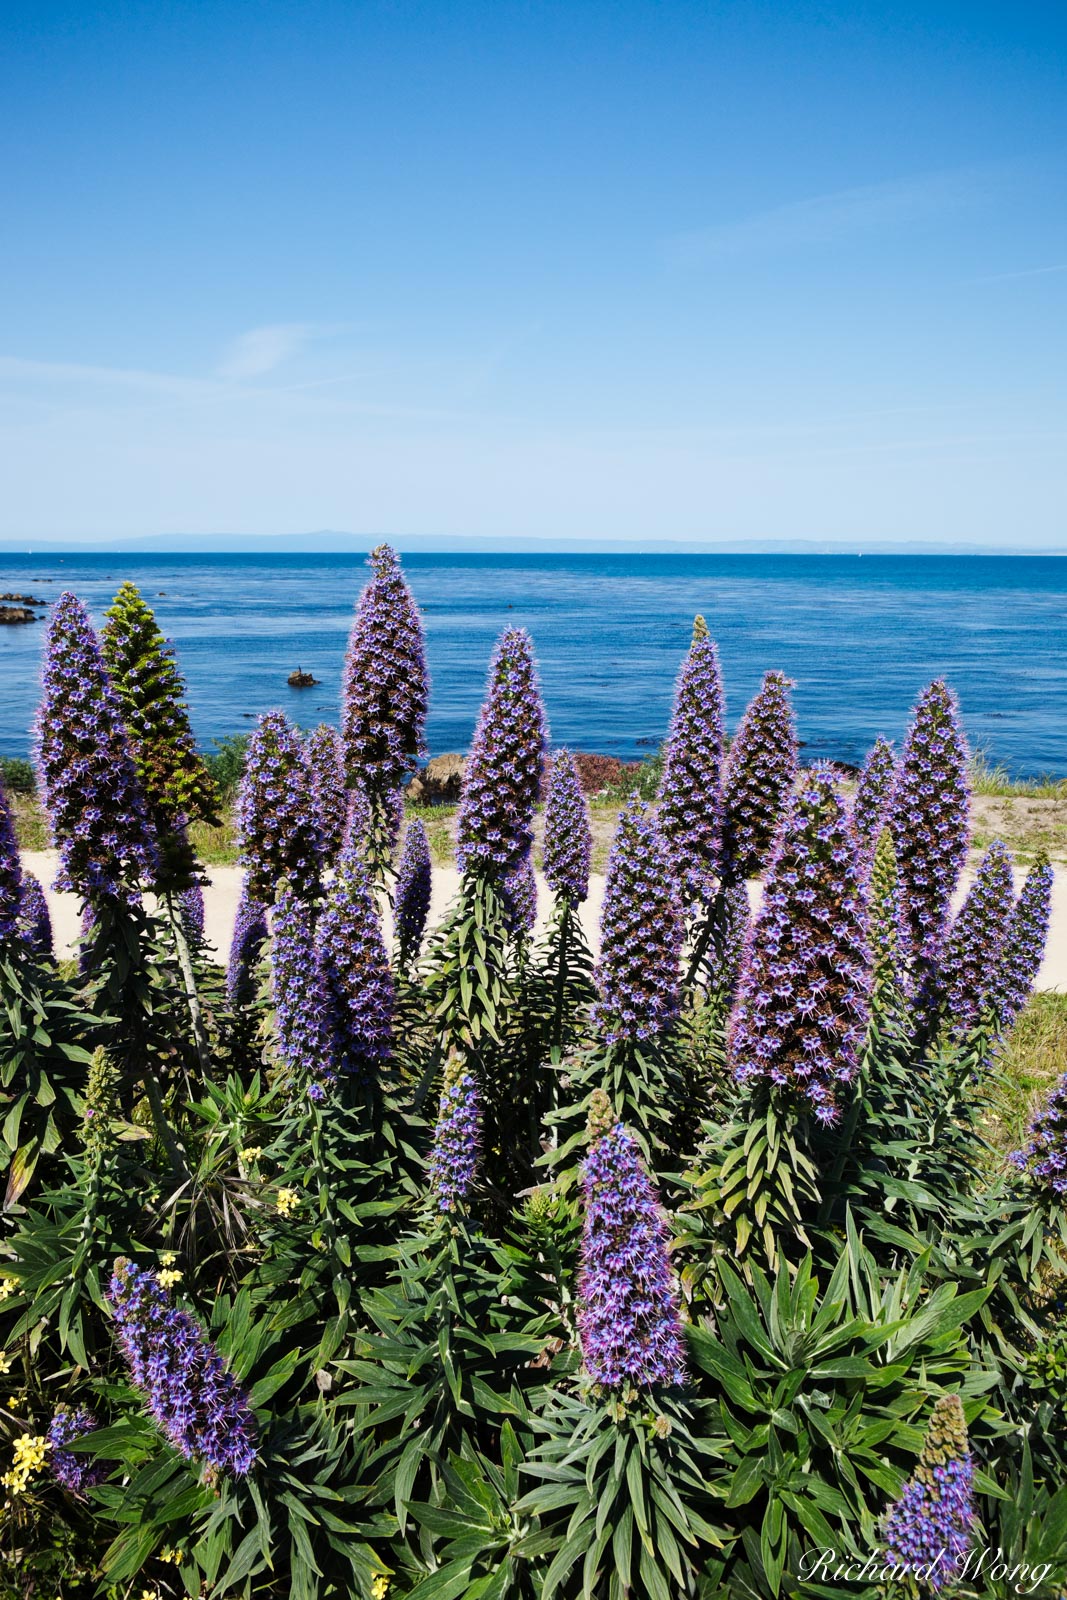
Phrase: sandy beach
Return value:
(224, 886)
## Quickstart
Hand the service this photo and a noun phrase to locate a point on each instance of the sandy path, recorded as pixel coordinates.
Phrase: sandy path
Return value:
(224, 887)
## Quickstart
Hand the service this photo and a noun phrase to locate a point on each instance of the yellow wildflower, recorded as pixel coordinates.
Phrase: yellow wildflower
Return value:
(169, 1277)
(287, 1202)
(5, 1362)
(169, 1553)
(251, 1153)
(380, 1587)
(30, 1452)
(168, 1258)
(8, 1287)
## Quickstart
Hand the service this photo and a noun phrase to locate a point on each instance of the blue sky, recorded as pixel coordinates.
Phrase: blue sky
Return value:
(720, 271)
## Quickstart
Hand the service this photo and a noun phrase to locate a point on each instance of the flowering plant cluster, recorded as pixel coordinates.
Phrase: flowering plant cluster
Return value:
(804, 992)
(502, 779)
(638, 975)
(279, 829)
(86, 771)
(197, 1403)
(519, 1270)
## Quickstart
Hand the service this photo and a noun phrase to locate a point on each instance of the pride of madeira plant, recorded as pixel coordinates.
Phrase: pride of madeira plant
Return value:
(499, 1254)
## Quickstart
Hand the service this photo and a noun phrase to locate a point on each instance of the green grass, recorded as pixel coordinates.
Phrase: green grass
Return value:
(31, 824)
(439, 822)
(998, 782)
(1034, 1058)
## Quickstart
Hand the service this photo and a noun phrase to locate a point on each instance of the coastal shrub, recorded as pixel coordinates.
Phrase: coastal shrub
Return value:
(17, 775)
(399, 1259)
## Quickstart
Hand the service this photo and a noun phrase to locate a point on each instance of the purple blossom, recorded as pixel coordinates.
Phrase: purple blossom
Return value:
(386, 685)
(303, 1004)
(246, 947)
(628, 1319)
(1045, 1156)
(276, 812)
(35, 924)
(72, 1471)
(690, 791)
(637, 977)
(519, 893)
(411, 905)
(974, 947)
(191, 910)
(325, 757)
(357, 820)
(454, 1157)
(192, 1398)
(502, 779)
(86, 772)
(568, 834)
(931, 1524)
(758, 775)
(1024, 944)
(729, 932)
(355, 968)
(929, 818)
(10, 874)
(874, 796)
(804, 995)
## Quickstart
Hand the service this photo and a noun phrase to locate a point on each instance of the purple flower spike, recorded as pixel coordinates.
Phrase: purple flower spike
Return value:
(758, 775)
(85, 769)
(356, 971)
(502, 780)
(454, 1157)
(628, 1319)
(568, 834)
(888, 928)
(325, 758)
(10, 874)
(974, 947)
(412, 900)
(357, 820)
(72, 1472)
(386, 685)
(276, 813)
(1024, 944)
(804, 994)
(303, 1004)
(192, 1398)
(874, 796)
(1045, 1157)
(641, 933)
(246, 947)
(191, 908)
(689, 794)
(519, 891)
(929, 817)
(35, 923)
(931, 1524)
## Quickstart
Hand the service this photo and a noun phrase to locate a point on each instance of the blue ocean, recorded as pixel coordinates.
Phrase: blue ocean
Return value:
(860, 636)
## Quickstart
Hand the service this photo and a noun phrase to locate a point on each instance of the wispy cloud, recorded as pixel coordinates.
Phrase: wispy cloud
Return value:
(260, 350)
(827, 218)
(1023, 272)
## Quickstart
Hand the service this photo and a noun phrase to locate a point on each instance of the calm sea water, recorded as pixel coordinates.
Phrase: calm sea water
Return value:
(861, 636)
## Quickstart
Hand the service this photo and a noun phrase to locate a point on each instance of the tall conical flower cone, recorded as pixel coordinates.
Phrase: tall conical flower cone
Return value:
(502, 780)
(757, 778)
(568, 835)
(86, 772)
(10, 874)
(246, 948)
(929, 818)
(931, 1526)
(690, 791)
(454, 1158)
(325, 756)
(34, 920)
(177, 785)
(874, 796)
(889, 936)
(638, 977)
(975, 944)
(1024, 943)
(803, 999)
(303, 1003)
(279, 830)
(355, 966)
(411, 904)
(628, 1318)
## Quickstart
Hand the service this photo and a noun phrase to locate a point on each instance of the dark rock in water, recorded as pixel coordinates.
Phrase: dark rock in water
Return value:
(17, 614)
(439, 782)
(24, 599)
(301, 680)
